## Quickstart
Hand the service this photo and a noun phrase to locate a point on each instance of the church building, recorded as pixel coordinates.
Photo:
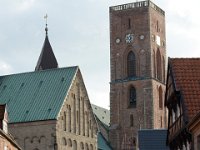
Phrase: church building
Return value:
(137, 84)
(49, 108)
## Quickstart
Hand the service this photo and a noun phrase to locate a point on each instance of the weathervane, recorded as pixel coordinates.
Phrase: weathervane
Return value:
(46, 29)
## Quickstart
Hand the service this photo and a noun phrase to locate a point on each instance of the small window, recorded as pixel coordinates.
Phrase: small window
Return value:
(132, 97)
(69, 119)
(157, 26)
(81, 145)
(77, 117)
(64, 121)
(86, 146)
(91, 147)
(131, 121)
(129, 23)
(64, 142)
(69, 142)
(160, 98)
(159, 65)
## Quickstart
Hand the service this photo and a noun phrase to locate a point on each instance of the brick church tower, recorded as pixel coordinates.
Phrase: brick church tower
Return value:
(138, 58)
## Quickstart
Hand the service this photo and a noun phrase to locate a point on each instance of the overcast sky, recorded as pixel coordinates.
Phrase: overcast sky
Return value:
(79, 35)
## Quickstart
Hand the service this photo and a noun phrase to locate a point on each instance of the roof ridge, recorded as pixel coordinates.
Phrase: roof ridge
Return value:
(40, 71)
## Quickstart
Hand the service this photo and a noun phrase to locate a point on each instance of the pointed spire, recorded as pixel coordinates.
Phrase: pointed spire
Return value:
(47, 59)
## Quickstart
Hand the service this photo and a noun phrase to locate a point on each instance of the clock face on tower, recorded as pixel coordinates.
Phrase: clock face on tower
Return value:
(141, 37)
(129, 38)
(117, 40)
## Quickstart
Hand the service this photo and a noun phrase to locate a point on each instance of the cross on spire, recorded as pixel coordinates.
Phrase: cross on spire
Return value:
(46, 29)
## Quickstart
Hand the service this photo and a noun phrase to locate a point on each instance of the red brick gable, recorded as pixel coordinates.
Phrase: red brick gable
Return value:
(186, 73)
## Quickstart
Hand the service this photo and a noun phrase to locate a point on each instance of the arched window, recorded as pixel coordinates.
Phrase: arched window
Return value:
(69, 143)
(64, 121)
(163, 69)
(159, 65)
(87, 124)
(86, 146)
(132, 96)
(154, 64)
(70, 117)
(131, 65)
(160, 98)
(81, 145)
(91, 147)
(74, 145)
(64, 142)
(132, 142)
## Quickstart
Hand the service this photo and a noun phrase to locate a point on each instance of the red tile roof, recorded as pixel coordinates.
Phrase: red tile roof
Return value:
(186, 72)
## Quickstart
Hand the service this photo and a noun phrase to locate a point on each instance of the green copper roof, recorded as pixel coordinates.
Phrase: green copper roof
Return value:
(102, 143)
(35, 95)
(102, 114)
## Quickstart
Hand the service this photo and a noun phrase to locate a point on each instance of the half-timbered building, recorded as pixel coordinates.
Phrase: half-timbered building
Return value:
(182, 100)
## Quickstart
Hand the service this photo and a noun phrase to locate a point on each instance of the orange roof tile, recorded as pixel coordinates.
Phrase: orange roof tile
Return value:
(186, 72)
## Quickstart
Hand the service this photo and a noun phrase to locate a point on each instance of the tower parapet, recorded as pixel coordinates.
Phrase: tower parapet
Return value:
(146, 3)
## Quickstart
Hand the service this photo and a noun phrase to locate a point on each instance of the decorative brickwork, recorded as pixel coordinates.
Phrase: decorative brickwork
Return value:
(74, 128)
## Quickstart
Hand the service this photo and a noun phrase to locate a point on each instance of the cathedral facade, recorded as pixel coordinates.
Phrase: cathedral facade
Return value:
(137, 58)
(49, 108)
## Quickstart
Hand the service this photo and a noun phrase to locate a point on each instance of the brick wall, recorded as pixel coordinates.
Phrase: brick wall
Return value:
(147, 26)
